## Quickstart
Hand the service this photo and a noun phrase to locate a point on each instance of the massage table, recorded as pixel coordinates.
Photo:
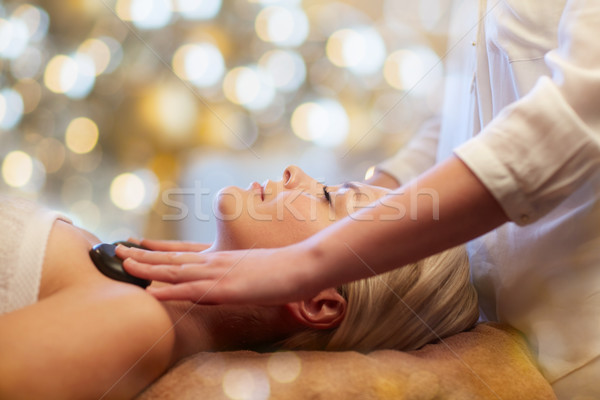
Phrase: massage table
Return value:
(491, 361)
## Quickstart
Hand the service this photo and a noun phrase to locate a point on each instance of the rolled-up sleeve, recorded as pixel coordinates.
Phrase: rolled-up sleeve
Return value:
(540, 149)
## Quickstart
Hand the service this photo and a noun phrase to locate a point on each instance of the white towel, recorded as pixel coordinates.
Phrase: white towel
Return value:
(24, 231)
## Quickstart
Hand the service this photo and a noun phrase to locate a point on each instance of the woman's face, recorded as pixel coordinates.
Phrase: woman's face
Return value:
(275, 214)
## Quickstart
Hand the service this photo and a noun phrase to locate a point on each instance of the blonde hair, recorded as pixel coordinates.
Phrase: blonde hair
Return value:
(403, 309)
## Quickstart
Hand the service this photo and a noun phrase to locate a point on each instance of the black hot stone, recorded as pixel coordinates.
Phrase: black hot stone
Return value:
(104, 258)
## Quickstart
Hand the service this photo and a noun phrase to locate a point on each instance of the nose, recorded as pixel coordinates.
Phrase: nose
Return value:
(294, 177)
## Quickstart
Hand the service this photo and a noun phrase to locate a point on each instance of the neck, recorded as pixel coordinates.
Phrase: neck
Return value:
(227, 327)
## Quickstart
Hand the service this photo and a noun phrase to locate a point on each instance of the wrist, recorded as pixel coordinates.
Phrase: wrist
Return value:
(309, 266)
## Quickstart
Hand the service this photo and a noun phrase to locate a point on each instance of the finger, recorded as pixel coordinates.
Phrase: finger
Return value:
(200, 292)
(134, 240)
(183, 291)
(167, 273)
(158, 257)
(173, 245)
(163, 245)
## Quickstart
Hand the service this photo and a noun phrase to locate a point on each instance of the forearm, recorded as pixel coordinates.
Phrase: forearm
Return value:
(443, 208)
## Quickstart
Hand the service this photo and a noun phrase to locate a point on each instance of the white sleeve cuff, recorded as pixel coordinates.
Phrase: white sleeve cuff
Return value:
(483, 162)
(534, 154)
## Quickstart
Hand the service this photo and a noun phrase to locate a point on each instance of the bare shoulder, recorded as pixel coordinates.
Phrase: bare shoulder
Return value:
(66, 260)
(87, 336)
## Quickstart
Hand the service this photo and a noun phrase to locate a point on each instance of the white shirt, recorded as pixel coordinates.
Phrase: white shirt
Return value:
(522, 111)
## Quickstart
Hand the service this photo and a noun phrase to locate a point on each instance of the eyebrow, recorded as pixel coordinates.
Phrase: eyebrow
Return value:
(350, 185)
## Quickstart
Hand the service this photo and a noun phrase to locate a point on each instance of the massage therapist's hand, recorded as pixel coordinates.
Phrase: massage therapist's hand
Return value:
(170, 245)
(226, 277)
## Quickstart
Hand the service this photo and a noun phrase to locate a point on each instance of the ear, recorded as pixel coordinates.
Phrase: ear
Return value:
(324, 311)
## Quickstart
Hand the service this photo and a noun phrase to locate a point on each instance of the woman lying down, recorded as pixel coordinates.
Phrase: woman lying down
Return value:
(67, 331)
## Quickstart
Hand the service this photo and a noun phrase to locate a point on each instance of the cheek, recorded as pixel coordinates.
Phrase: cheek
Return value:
(287, 226)
(244, 233)
(292, 231)
(299, 220)
(283, 221)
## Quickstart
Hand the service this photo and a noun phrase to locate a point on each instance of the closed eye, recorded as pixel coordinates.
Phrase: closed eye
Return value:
(326, 194)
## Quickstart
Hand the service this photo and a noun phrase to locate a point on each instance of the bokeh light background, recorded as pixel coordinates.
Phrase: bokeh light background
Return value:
(129, 115)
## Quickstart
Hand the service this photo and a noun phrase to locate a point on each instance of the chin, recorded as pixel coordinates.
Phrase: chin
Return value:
(231, 219)
(229, 203)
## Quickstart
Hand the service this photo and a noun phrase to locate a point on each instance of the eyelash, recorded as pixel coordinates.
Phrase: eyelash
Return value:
(326, 193)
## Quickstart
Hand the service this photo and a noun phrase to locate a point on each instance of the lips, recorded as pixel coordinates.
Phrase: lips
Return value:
(259, 189)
